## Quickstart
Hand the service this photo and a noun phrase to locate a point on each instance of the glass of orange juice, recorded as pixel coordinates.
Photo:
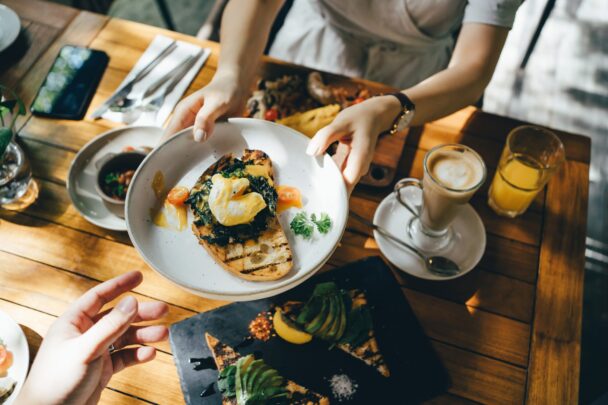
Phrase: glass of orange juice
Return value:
(531, 155)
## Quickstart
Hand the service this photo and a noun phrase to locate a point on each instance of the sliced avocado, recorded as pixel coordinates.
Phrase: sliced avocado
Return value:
(241, 393)
(265, 377)
(253, 372)
(328, 287)
(330, 319)
(313, 326)
(333, 332)
(257, 383)
(310, 310)
(346, 305)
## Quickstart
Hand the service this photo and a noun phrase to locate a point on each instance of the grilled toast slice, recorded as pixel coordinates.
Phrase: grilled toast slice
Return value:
(225, 356)
(368, 351)
(264, 258)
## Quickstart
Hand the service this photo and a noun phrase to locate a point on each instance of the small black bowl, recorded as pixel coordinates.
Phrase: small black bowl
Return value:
(111, 163)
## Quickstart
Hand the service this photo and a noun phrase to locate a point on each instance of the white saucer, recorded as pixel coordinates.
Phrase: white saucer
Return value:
(82, 173)
(15, 341)
(9, 27)
(466, 249)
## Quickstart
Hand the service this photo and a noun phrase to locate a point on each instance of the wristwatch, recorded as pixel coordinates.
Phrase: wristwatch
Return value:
(406, 115)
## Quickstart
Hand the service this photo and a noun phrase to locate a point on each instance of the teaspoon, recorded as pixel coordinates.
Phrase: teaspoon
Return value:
(439, 265)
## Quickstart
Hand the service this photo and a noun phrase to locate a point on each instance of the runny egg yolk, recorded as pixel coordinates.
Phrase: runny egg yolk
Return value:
(229, 203)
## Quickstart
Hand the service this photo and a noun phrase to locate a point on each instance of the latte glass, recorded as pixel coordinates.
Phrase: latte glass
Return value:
(452, 174)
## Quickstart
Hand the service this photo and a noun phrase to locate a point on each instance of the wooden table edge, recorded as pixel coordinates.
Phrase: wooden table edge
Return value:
(554, 360)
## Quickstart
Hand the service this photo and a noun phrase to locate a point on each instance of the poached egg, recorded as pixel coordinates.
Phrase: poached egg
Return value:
(229, 203)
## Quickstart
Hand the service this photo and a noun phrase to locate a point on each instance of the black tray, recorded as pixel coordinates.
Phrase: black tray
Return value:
(416, 372)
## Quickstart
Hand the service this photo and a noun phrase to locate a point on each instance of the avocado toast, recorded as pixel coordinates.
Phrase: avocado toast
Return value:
(254, 378)
(234, 205)
(341, 318)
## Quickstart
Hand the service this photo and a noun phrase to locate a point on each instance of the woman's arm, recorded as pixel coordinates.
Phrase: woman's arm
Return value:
(245, 28)
(462, 83)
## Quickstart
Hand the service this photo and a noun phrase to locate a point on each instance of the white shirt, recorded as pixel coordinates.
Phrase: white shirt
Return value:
(397, 42)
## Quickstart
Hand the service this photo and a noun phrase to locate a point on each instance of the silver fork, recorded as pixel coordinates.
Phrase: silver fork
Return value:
(154, 103)
(119, 97)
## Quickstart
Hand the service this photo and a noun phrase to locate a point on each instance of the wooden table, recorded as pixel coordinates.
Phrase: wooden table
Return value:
(507, 332)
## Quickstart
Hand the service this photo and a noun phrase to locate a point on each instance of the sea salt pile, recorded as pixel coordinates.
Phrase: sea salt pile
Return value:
(342, 387)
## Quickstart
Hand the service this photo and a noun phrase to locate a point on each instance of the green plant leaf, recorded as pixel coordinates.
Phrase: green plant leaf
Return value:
(5, 138)
(8, 104)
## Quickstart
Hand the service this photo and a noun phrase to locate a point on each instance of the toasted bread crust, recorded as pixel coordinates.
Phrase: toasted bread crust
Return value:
(225, 356)
(265, 259)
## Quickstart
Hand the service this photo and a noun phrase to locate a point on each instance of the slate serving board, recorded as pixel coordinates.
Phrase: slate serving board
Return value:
(416, 372)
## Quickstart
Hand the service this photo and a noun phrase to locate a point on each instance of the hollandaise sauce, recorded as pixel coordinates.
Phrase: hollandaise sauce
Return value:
(158, 185)
(170, 216)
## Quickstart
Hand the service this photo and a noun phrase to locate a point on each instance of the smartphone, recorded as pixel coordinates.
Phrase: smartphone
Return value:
(70, 84)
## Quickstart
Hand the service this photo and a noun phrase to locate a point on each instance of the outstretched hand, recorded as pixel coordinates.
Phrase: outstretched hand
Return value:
(74, 363)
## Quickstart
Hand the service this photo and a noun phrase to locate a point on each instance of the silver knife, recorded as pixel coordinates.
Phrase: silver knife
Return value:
(180, 69)
(124, 91)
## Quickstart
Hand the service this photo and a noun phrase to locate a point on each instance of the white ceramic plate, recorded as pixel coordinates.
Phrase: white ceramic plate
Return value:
(179, 257)
(466, 248)
(82, 174)
(14, 339)
(9, 27)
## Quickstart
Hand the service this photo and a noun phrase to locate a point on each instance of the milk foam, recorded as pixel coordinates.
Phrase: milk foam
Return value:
(455, 170)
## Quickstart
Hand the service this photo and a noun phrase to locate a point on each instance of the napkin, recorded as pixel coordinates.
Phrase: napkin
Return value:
(172, 61)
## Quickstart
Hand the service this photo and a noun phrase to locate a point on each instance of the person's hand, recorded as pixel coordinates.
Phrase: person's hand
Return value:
(74, 363)
(356, 128)
(223, 96)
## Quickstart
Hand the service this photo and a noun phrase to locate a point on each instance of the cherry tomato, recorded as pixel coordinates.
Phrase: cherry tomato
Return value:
(6, 359)
(271, 114)
(128, 149)
(178, 195)
(358, 100)
(288, 197)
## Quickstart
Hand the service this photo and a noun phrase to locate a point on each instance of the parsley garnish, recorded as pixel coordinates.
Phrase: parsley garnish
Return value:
(301, 225)
(323, 223)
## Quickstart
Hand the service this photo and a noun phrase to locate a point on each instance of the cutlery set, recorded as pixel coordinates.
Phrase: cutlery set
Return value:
(153, 97)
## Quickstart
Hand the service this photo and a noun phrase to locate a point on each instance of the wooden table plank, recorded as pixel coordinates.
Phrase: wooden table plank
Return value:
(54, 205)
(33, 40)
(480, 332)
(55, 289)
(483, 124)
(556, 331)
(481, 379)
(90, 256)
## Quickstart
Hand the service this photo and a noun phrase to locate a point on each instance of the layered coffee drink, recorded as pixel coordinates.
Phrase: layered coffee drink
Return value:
(452, 174)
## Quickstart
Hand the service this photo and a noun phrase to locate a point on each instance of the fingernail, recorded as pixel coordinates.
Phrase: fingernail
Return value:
(199, 135)
(127, 305)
